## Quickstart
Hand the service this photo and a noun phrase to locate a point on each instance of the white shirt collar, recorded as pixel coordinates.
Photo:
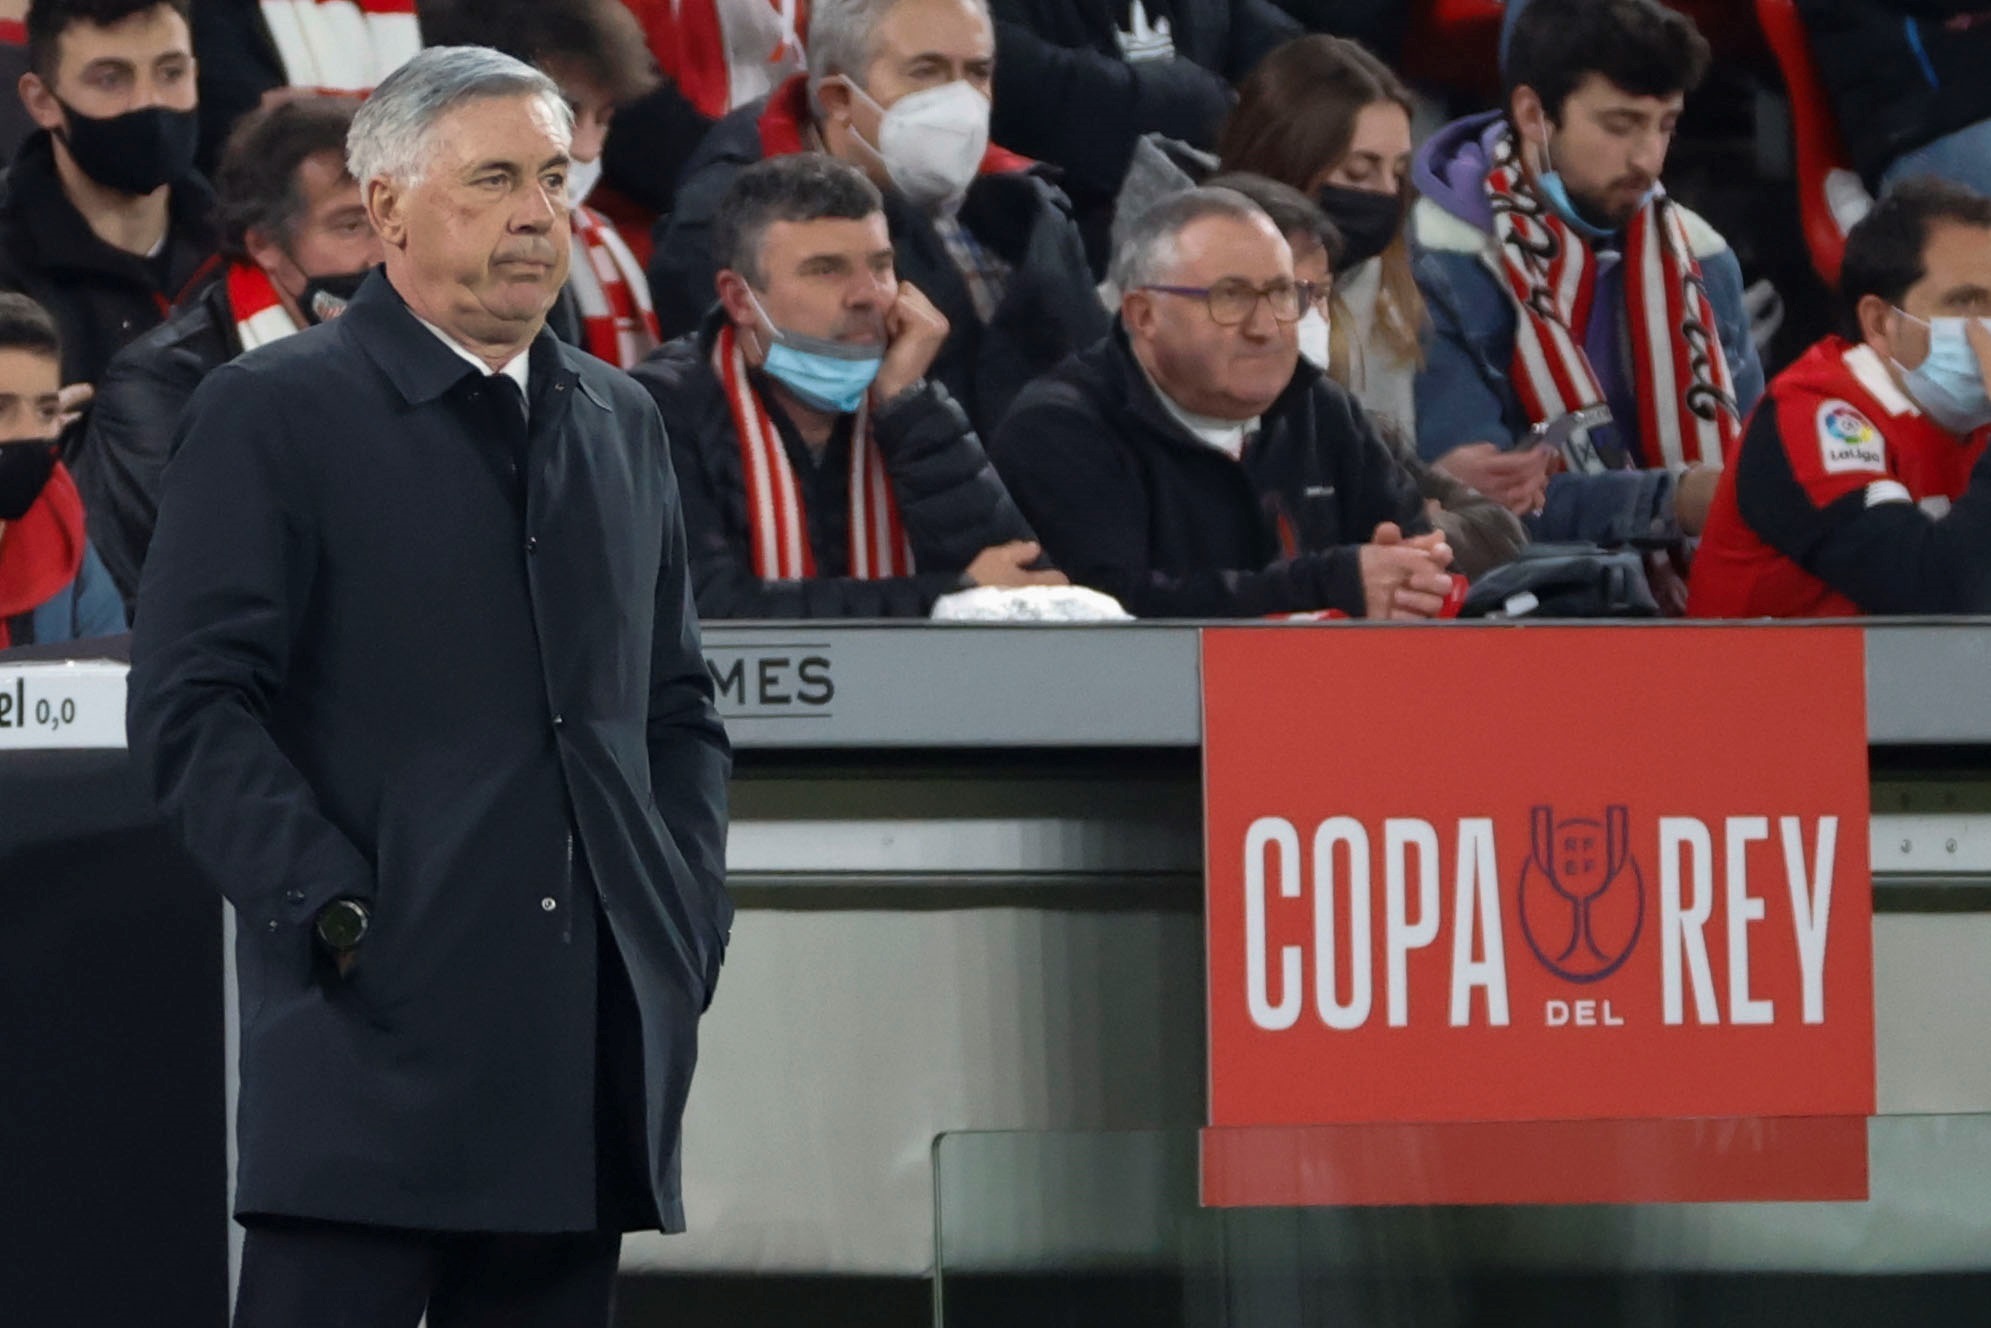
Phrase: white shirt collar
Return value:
(1226, 436)
(516, 369)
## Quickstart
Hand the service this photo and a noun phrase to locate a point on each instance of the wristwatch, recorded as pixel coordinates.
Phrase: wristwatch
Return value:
(341, 925)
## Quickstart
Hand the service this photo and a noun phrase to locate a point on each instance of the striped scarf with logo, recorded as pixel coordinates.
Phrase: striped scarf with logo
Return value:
(776, 521)
(342, 46)
(617, 322)
(1686, 398)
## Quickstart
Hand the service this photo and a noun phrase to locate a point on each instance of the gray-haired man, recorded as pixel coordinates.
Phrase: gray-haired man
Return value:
(418, 682)
(899, 89)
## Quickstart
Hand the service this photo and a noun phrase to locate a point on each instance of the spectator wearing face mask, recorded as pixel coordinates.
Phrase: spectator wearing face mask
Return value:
(1481, 532)
(594, 50)
(900, 90)
(1193, 465)
(1861, 484)
(1326, 117)
(103, 220)
(1563, 282)
(52, 586)
(297, 244)
(822, 474)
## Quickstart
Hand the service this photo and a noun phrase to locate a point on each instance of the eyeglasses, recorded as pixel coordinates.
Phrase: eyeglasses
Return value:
(1231, 302)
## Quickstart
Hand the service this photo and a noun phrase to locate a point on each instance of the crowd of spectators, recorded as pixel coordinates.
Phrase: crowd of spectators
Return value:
(1161, 298)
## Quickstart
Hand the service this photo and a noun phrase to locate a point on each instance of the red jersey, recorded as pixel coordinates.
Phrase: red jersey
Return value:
(1836, 502)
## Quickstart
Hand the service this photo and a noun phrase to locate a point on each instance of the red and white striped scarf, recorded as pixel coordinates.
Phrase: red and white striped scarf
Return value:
(775, 517)
(342, 46)
(1686, 397)
(260, 317)
(617, 322)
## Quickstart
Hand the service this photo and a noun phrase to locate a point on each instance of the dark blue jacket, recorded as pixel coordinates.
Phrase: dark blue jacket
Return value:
(394, 645)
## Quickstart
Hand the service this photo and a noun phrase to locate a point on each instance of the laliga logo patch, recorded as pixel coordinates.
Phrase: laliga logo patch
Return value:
(1581, 893)
(1847, 440)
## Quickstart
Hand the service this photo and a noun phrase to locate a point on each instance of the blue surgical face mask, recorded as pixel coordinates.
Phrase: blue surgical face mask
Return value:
(1557, 193)
(1948, 386)
(827, 375)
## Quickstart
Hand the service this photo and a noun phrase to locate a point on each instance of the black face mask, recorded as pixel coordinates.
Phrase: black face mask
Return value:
(325, 298)
(24, 471)
(1367, 221)
(136, 152)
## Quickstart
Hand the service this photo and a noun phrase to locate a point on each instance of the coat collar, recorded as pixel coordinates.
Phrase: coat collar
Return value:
(421, 368)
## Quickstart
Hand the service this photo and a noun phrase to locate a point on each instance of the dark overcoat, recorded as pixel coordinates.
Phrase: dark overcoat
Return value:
(381, 654)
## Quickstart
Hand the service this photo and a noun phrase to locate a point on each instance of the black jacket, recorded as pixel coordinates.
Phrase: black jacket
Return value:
(394, 644)
(1127, 501)
(1898, 73)
(238, 64)
(950, 500)
(1048, 309)
(1066, 91)
(129, 431)
(102, 298)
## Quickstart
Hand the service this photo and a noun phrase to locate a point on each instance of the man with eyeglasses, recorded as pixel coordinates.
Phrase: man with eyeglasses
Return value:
(1860, 484)
(1193, 466)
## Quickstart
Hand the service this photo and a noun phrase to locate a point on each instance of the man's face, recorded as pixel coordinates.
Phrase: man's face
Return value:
(478, 244)
(1956, 283)
(331, 235)
(922, 44)
(1230, 373)
(144, 60)
(29, 382)
(1609, 145)
(830, 278)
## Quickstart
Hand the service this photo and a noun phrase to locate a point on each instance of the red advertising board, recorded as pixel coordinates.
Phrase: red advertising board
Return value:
(1523, 876)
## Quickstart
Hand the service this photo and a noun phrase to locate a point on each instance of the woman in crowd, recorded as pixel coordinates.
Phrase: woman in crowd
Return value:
(1328, 118)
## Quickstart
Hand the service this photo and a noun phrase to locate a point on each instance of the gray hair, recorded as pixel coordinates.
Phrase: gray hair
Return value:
(843, 38)
(1145, 251)
(391, 134)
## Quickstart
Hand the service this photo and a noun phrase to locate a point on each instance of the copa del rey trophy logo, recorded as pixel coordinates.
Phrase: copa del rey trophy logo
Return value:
(1582, 894)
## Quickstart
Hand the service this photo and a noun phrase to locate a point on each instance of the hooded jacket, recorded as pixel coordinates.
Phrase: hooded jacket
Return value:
(1465, 392)
(1128, 502)
(1048, 308)
(52, 586)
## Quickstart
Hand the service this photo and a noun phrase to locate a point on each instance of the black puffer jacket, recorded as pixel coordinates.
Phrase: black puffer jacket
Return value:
(102, 298)
(130, 429)
(949, 497)
(1048, 307)
(1900, 73)
(1128, 502)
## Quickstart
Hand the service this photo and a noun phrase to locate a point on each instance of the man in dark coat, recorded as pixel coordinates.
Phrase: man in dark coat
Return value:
(1078, 82)
(418, 682)
(979, 230)
(805, 399)
(297, 245)
(103, 220)
(1193, 466)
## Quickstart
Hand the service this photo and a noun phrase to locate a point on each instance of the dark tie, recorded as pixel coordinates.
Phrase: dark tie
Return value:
(507, 389)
